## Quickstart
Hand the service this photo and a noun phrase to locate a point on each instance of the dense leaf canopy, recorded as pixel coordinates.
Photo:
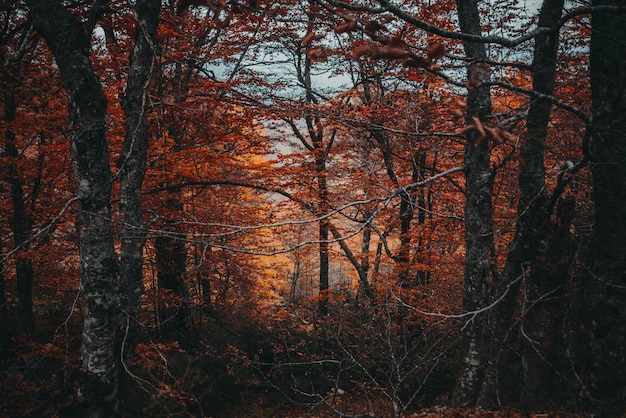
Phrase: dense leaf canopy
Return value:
(317, 208)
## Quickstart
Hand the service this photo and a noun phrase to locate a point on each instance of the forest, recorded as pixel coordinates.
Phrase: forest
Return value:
(320, 208)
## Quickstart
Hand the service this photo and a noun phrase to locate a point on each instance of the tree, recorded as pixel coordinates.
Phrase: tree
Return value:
(604, 276)
(4, 315)
(133, 165)
(22, 226)
(69, 41)
(33, 126)
(18, 45)
(533, 224)
(183, 96)
(478, 209)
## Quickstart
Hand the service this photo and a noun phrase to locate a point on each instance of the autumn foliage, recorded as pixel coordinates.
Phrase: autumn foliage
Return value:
(307, 240)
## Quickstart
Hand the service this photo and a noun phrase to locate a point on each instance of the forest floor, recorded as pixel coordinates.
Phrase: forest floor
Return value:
(267, 408)
(250, 411)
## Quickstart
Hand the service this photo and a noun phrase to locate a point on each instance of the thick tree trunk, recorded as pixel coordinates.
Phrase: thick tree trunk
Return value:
(532, 221)
(99, 266)
(478, 215)
(605, 283)
(542, 333)
(133, 166)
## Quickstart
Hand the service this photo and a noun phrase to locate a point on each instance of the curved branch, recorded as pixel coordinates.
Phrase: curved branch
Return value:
(387, 6)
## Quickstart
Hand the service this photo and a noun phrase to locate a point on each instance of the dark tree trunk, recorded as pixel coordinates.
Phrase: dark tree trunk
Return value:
(364, 263)
(133, 166)
(4, 315)
(360, 268)
(542, 332)
(171, 262)
(322, 192)
(407, 210)
(422, 276)
(478, 215)
(603, 360)
(315, 144)
(22, 229)
(69, 42)
(407, 204)
(295, 276)
(533, 220)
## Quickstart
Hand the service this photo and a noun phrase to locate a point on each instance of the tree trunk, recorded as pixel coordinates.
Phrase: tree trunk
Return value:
(407, 202)
(171, 260)
(541, 333)
(360, 268)
(4, 315)
(133, 166)
(320, 151)
(605, 285)
(422, 276)
(532, 221)
(322, 192)
(478, 215)
(22, 229)
(99, 267)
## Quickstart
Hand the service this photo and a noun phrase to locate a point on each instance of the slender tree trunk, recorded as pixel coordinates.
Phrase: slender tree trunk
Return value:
(322, 191)
(320, 151)
(478, 215)
(4, 314)
(604, 358)
(360, 268)
(295, 276)
(533, 221)
(171, 259)
(364, 263)
(419, 162)
(171, 256)
(99, 267)
(407, 205)
(133, 166)
(22, 229)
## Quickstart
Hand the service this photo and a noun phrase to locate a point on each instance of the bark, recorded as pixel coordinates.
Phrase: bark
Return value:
(171, 260)
(4, 315)
(22, 229)
(478, 215)
(542, 331)
(407, 200)
(99, 267)
(133, 166)
(171, 254)
(532, 221)
(406, 210)
(603, 360)
(360, 267)
(423, 203)
(295, 276)
(364, 262)
(320, 150)
(324, 227)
